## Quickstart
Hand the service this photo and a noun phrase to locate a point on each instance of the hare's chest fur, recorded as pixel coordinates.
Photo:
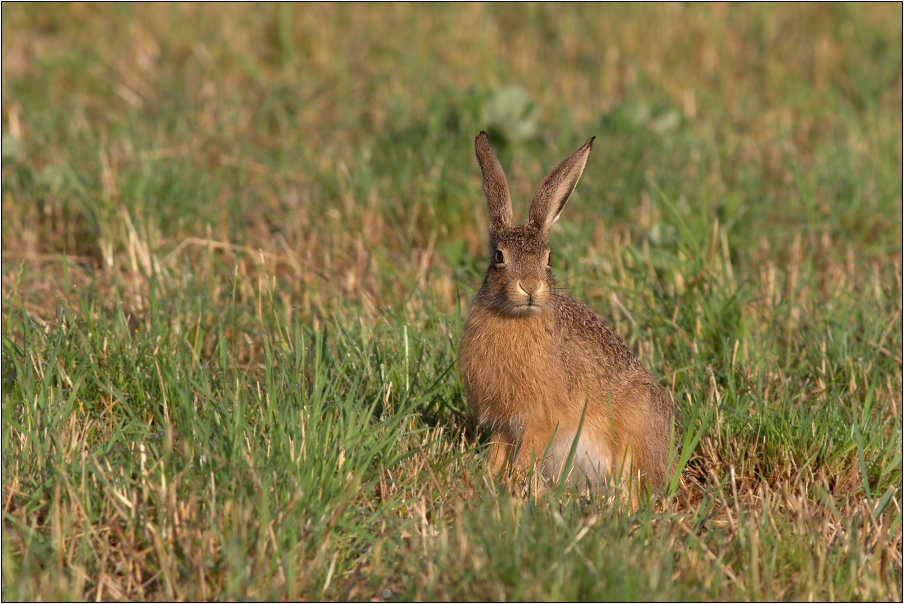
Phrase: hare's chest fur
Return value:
(513, 371)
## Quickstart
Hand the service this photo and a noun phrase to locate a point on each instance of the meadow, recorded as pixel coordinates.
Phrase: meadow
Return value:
(238, 247)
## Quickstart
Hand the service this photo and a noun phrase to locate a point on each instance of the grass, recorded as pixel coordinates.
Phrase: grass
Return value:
(239, 242)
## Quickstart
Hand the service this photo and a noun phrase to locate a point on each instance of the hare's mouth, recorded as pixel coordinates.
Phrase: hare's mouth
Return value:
(513, 305)
(525, 309)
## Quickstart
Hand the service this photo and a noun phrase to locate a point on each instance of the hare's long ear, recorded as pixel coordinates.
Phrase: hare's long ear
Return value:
(494, 186)
(556, 188)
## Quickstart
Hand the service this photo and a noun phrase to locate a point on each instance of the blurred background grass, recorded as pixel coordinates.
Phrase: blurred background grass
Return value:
(198, 197)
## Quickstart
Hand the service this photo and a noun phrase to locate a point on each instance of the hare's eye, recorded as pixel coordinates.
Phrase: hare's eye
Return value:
(499, 258)
(549, 259)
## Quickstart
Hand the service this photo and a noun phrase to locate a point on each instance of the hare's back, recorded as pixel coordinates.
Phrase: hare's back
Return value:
(597, 358)
(587, 338)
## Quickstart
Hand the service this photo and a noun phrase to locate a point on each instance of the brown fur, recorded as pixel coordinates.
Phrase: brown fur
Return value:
(532, 358)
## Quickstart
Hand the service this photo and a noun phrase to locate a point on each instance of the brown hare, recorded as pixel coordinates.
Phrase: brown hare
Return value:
(533, 360)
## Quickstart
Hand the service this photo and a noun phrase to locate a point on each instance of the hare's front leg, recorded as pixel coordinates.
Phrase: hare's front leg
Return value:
(501, 450)
(529, 460)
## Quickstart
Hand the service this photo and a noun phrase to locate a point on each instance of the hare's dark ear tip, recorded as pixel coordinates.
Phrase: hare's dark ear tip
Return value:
(590, 142)
(482, 143)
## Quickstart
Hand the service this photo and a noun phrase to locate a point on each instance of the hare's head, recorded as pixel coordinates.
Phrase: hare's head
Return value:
(519, 281)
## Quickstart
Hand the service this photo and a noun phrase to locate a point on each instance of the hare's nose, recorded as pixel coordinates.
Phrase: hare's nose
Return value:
(529, 286)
